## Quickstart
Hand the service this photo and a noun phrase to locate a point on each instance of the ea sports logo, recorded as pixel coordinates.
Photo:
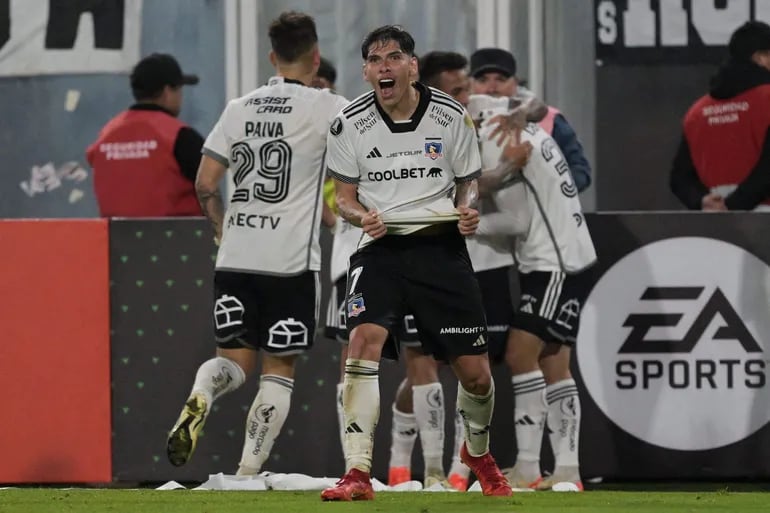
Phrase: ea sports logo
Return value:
(673, 343)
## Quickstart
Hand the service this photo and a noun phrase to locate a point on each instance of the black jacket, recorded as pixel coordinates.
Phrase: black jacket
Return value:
(732, 79)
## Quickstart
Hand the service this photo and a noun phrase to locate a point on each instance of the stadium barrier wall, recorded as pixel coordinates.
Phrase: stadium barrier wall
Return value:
(54, 359)
(670, 360)
(672, 356)
(704, 417)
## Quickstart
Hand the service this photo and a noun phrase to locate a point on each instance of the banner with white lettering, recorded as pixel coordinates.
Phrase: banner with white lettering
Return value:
(632, 32)
(39, 37)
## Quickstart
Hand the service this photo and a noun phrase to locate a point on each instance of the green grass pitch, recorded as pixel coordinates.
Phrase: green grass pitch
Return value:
(44, 500)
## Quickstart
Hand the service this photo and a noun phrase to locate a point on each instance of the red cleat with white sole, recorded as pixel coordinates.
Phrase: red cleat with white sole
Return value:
(354, 486)
(492, 481)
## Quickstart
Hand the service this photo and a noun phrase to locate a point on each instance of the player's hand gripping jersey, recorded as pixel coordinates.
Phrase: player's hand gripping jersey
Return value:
(273, 140)
(405, 170)
(557, 238)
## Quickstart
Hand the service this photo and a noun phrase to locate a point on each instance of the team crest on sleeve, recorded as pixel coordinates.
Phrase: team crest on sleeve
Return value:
(356, 305)
(433, 148)
(336, 128)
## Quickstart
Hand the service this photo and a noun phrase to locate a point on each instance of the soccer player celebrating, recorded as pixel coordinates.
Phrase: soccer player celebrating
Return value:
(412, 256)
(266, 278)
(492, 262)
(538, 203)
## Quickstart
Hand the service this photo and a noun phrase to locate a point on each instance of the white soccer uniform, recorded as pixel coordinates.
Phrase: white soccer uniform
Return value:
(346, 237)
(382, 159)
(557, 238)
(273, 139)
(488, 252)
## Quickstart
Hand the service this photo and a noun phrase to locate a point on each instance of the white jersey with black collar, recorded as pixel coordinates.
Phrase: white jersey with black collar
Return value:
(273, 140)
(405, 170)
(557, 238)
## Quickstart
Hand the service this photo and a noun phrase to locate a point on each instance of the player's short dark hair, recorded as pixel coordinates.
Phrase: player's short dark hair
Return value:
(388, 33)
(326, 70)
(292, 35)
(432, 64)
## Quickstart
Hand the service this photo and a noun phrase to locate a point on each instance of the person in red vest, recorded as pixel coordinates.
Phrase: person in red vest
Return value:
(723, 161)
(493, 72)
(145, 159)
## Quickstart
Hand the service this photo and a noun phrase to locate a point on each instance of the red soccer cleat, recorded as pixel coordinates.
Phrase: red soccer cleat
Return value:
(492, 481)
(354, 486)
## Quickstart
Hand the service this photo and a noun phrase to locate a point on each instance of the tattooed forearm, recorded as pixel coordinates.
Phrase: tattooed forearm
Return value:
(349, 207)
(213, 208)
(352, 211)
(467, 194)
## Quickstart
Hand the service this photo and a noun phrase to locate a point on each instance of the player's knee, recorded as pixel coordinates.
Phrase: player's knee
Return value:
(366, 342)
(476, 379)
(479, 384)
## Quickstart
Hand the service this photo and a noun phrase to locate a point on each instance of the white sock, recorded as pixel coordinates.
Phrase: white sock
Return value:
(403, 435)
(361, 401)
(341, 417)
(476, 411)
(263, 425)
(216, 377)
(564, 422)
(458, 467)
(428, 401)
(529, 416)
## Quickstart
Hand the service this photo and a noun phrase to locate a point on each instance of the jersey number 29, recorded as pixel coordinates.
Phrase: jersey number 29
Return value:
(274, 169)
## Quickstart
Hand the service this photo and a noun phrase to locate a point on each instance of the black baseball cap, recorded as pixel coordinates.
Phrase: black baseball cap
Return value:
(155, 72)
(485, 60)
(752, 36)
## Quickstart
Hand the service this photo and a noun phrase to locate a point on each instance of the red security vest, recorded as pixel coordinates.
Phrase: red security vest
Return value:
(135, 172)
(726, 136)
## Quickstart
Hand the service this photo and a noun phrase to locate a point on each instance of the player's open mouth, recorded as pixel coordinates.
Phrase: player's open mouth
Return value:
(386, 87)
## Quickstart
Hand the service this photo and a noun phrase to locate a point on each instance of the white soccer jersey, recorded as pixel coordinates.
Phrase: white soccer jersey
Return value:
(558, 238)
(346, 237)
(489, 252)
(405, 170)
(273, 139)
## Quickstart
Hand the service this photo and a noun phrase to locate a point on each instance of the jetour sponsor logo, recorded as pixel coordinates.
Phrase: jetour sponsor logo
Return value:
(672, 344)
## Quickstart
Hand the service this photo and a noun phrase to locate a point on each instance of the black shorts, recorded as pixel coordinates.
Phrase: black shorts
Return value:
(335, 319)
(274, 313)
(429, 276)
(335, 312)
(551, 303)
(498, 306)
